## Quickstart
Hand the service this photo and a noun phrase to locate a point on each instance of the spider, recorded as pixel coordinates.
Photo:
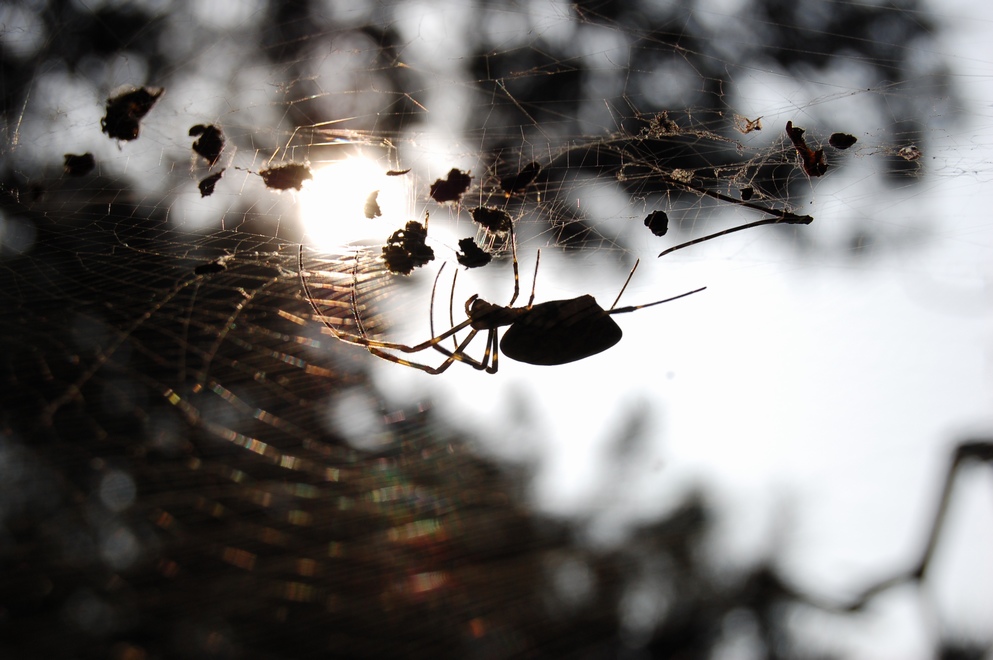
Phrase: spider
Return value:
(548, 333)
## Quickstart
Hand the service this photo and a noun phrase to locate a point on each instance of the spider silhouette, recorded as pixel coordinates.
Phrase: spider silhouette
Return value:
(548, 333)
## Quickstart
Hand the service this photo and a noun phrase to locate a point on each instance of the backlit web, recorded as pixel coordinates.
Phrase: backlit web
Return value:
(197, 467)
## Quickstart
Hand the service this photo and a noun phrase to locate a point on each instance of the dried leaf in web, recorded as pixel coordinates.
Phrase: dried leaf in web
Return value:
(746, 193)
(207, 184)
(210, 268)
(657, 222)
(125, 111)
(494, 220)
(284, 177)
(814, 163)
(406, 249)
(372, 209)
(397, 172)
(842, 140)
(452, 187)
(210, 142)
(910, 152)
(746, 125)
(471, 255)
(79, 165)
(517, 182)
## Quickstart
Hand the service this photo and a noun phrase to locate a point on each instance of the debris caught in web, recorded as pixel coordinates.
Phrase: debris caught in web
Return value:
(284, 177)
(471, 255)
(452, 187)
(517, 182)
(125, 111)
(910, 152)
(79, 164)
(746, 125)
(496, 221)
(842, 140)
(207, 184)
(216, 266)
(372, 209)
(210, 142)
(406, 250)
(814, 163)
(746, 193)
(397, 172)
(657, 222)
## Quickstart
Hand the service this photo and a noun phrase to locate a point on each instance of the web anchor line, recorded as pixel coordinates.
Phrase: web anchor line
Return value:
(780, 217)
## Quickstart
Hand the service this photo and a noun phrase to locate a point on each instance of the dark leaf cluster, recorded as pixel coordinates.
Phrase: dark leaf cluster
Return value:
(451, 187)
(471, 255)
(125, 111)
(210, 142)
(406, 249)
(284, 177)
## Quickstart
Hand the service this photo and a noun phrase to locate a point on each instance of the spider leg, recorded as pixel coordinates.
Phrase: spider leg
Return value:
(517, 278)
(458, 354)
(534, 282)
(624, 310)
(626, 282)
(492, 348)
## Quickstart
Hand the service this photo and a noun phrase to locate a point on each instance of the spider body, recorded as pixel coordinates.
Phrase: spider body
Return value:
(549, 333)
(560, 331)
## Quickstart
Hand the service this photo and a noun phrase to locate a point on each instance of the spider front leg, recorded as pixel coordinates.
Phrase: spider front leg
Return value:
(492, 348)
(458, 354)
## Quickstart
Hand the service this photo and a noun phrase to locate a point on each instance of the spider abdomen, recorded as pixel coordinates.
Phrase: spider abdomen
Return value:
(560, 331)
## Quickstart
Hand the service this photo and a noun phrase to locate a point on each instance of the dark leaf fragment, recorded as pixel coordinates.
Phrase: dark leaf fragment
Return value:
(814, 163)
(450, 188)
(518, 182)
(124, 112)
(210, 143)
(406, 250)
(397, 172)
(284, 177)
(842, 140)
(79, 165)
(496, 221)
(658, 222)
(210, 268)
(746, 193)
(208, 183)
(471, 255)
(372, 209)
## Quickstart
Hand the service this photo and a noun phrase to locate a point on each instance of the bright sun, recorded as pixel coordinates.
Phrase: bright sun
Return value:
(333, 204)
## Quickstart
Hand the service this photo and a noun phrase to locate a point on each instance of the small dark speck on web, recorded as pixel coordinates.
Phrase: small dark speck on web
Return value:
(210, 142)
(79, 165)
(657, 222)
(397, 172)
(372, 209)
(842, 140)
(210, 268)
(517, 182)
(284, 177)
(471, 255)
(406, 250)
(208, 183)
(452, 187)
(496, 221)
(125, 111)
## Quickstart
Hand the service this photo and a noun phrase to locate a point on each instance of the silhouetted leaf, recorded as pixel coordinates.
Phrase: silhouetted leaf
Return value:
(125, 111)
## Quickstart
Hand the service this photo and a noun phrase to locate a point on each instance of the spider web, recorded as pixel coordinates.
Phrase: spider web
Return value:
(180, 417)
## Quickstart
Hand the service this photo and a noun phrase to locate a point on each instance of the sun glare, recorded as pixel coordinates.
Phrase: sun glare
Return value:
(334, 204)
